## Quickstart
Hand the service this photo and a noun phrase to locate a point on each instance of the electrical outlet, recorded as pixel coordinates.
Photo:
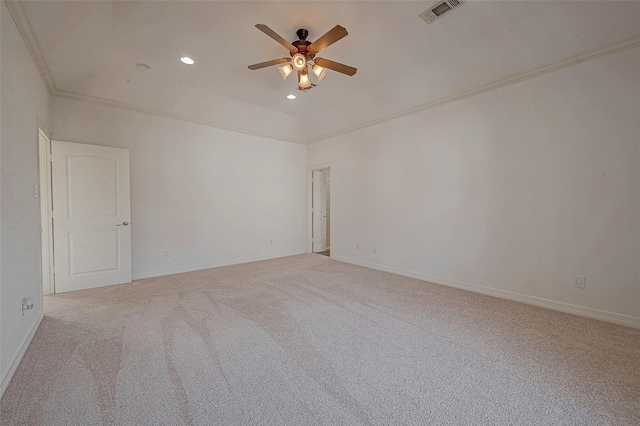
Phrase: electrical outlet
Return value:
(581, 282)
(375, 250)
(167, 254)
(36, 191)
(26, 304)
(271, 242)
(357, 247)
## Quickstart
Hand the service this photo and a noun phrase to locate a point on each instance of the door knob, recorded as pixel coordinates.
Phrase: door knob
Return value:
(123, 224)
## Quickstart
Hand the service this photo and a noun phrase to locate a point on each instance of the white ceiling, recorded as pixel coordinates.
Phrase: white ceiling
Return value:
(92, 47)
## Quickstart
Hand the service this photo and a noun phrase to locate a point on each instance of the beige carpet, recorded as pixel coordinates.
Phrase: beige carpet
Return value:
(309, 340)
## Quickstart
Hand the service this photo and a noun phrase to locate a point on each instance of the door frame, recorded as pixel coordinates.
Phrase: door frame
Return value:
(46, 212)
(310, 170)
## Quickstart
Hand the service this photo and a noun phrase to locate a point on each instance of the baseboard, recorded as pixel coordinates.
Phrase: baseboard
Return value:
(13, 365)
(612, 317)
(237, 261)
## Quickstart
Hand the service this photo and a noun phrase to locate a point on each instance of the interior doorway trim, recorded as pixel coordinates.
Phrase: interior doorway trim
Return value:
(43, 192)
(310, 170)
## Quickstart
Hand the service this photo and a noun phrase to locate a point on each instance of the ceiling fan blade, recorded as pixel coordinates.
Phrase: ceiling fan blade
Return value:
(335, 66)
(269, 63)
(330, 37)
(274, 35)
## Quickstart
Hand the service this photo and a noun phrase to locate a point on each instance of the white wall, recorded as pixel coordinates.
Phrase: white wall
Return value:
(517, 190)
(209, 196)
(24, 99)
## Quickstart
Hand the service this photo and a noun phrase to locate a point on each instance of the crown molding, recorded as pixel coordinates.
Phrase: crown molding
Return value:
(26, 32)
(28, 36)
(608, 49)
(96, 100)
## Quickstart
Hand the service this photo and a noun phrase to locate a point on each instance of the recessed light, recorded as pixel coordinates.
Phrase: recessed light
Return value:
(187, 60)
(291, 96)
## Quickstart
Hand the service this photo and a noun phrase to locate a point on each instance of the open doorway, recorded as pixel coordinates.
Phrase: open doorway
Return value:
(320, 217)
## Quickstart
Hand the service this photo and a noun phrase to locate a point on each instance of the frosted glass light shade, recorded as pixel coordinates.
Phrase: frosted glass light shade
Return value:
(299, 61)
(319, 71)
(285, 70)
(303, 80)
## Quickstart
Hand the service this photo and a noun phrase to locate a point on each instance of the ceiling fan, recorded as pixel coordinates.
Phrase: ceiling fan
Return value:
(303, 53)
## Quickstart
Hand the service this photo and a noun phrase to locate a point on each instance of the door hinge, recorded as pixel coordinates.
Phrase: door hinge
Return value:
(53, 270)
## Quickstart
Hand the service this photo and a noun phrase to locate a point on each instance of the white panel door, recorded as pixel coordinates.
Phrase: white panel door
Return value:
(319, 212)
(91, 216)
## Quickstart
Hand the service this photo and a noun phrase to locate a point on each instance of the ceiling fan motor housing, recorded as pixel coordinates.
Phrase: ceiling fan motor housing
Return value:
(302, 44)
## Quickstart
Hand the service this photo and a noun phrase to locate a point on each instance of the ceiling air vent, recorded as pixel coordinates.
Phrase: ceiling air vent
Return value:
(439, 9)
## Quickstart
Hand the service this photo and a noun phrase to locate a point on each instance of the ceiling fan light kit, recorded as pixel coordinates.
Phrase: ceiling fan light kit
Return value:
(299, 61)
(319, 71)
(285, 70)
(303, 53)
(303, 79)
